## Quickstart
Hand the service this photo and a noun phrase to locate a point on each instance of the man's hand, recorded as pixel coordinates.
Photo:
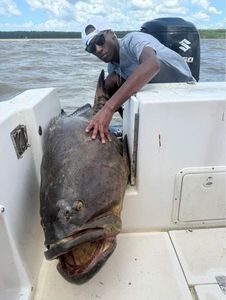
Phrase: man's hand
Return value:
(99, 124)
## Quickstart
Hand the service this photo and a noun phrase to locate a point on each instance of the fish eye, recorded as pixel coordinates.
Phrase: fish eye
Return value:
(78, 205)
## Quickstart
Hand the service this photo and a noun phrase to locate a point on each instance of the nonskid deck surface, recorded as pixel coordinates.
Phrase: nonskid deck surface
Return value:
(149, 266)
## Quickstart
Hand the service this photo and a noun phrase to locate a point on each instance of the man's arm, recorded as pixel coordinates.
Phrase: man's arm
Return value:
(148, 68)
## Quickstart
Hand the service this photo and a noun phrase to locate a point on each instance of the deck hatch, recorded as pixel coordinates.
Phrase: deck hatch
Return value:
(199, 195)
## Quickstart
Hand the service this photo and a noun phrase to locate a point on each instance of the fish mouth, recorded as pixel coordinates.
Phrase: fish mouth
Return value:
(98, 229)
(84, 252)
(82, 262)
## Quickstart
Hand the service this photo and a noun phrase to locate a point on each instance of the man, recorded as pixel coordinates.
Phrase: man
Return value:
(133, 61)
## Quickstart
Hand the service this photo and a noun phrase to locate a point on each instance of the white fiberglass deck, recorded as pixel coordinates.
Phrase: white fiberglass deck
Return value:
(202, 254)
(209, 292)
(143, 266)
(149, 266)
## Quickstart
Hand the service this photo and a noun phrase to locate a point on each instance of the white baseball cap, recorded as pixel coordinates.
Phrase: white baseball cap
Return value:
(99, 23)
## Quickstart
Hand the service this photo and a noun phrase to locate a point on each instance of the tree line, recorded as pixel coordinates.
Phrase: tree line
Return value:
(204, 33)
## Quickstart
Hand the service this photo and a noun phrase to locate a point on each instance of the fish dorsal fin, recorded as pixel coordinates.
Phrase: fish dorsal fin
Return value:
(81, 110)
(101, 94)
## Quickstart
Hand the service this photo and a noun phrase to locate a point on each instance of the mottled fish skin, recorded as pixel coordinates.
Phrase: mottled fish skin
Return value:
(82, 188)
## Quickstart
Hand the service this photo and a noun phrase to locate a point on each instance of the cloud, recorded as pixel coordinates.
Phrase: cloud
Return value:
(142, 4)
(49, 25)
(9, 8)
(118, 14)
(206, 6)
(169, 10)
(214, 11)
(69, 15)
(129, 15)
(218, 25)
(56, 7)
(56, 25)
(200, 16)
(82, 10)
(71, 11)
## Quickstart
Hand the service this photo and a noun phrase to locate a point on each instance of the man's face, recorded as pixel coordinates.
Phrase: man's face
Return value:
(103, 45)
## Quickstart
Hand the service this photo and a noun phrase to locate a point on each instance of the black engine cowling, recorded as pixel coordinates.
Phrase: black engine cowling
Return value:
(180, 36)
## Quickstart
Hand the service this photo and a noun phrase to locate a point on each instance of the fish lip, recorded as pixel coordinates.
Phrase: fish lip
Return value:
(95, 230)
(84, 273)
(65, 245)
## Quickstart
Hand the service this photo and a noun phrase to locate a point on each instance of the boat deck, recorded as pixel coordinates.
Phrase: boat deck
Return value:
(178, 265)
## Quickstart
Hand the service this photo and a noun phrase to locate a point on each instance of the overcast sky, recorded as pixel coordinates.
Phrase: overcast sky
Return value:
(69, 15)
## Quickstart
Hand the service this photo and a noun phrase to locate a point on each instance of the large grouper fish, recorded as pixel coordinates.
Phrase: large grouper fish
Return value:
(82, 188)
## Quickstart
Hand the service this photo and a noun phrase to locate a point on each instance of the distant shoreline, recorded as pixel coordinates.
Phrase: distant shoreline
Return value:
(66, 39)
(37, 39)
(60, 35)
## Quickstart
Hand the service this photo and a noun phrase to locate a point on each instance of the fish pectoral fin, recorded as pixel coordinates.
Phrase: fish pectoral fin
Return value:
(101, 96)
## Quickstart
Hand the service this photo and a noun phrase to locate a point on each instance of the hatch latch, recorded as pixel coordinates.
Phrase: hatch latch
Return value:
(20, 140)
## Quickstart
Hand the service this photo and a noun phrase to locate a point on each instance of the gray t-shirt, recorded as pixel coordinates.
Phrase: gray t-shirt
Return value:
(173, 68)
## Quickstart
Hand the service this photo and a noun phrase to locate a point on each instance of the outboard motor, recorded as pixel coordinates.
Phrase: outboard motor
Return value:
(180, 36)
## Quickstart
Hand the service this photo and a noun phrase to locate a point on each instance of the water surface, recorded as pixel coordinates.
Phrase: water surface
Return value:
(63, 64)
